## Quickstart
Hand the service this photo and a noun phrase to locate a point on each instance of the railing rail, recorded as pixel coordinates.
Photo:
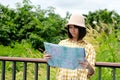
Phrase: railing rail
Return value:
(18, 59)
(38, 60)
(107, 64)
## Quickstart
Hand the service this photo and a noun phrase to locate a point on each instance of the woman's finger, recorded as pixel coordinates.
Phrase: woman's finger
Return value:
(47, 55)
(83, 64)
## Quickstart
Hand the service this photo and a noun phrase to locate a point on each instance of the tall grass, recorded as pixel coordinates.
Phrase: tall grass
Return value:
(106, 41)
(23, 49)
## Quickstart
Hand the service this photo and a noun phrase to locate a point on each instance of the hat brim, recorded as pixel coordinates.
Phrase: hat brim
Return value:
(76, 25)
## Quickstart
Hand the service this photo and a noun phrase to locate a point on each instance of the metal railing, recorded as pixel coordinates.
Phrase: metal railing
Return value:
(14, 60)
(37, 61)
(108, 65)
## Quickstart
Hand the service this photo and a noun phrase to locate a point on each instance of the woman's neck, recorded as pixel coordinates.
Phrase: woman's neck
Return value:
(75, 39)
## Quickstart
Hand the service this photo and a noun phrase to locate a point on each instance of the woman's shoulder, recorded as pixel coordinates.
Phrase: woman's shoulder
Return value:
(89, 45)
(86, 43)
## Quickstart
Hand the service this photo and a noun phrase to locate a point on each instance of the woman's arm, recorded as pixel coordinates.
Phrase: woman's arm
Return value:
(86, 65)
(90, 70)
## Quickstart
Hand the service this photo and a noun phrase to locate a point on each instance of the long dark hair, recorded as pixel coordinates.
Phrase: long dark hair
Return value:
(82, 32)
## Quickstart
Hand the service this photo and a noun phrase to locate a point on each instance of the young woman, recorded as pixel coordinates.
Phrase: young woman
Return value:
(76, 33)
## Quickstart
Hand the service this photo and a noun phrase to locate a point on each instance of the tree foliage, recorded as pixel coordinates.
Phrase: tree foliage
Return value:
(103, 16)
(31, 23)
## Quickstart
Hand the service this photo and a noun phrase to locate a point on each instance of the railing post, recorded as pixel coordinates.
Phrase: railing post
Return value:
(36, 71)
(99, 73)
(3, 70)
(113, 73)
(25, 71)
(14, 71)
(48, 72)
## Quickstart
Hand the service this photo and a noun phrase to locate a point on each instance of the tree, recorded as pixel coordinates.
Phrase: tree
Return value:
(31, 23)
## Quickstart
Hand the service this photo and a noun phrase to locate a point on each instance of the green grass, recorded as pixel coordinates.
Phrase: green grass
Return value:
(23, 49)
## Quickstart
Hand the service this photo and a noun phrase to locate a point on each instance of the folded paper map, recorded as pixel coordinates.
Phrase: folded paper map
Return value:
(65, 57)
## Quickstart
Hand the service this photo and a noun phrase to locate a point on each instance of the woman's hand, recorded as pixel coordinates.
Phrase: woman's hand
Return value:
(86, 65)
(47, 56)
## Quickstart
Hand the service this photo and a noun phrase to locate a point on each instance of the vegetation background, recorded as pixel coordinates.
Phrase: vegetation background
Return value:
(24, 29)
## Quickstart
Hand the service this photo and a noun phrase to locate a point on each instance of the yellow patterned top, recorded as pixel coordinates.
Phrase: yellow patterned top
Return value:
(77, 74)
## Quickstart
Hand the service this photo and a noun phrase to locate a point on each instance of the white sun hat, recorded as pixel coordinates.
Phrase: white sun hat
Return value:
(76, 19)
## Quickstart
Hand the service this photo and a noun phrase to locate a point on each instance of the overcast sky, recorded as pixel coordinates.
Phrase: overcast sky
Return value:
(72, 6)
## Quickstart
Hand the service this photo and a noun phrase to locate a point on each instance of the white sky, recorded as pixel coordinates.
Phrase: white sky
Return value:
(72, 6)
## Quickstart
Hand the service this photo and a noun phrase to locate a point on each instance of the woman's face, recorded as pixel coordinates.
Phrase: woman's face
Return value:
(74, 31)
